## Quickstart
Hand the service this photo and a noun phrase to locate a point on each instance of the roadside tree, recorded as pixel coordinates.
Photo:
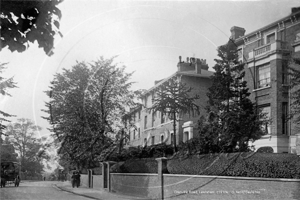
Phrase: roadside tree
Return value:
(24, 22)
(4, 85)
(31, 149)
(85, 107)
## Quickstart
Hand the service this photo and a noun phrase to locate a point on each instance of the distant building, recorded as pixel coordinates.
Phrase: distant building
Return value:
(154, 128)
(266, 52)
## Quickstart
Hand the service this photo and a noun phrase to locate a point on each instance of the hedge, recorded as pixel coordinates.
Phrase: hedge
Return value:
(248, 164)
(144, 165)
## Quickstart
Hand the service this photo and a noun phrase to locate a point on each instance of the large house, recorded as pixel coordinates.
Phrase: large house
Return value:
(154, 128)
(266, 52)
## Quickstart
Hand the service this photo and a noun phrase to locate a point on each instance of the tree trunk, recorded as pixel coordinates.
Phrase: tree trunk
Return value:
(174, 131)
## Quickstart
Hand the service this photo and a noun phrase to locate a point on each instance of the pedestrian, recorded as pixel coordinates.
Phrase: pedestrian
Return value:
(77, 175)
(73, 179)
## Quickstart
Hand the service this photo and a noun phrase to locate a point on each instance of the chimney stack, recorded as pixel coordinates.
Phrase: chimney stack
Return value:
(237, 32)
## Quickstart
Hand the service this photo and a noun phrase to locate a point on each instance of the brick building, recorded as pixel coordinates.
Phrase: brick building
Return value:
(266, 52)
(155, 128)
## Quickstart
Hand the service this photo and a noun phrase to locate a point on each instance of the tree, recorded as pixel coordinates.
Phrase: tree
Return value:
(233, 120)
(172, 99)
(7, 151)
(22, 134)
(294, 74)
(86, 105)
(24, 21)
(4, 85)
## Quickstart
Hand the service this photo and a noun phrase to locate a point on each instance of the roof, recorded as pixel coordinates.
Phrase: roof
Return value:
(204, 74)
(268, 26)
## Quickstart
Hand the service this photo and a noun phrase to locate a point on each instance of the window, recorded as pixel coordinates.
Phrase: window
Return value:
(284, 72)
(145, 122)
(153, 118)
(162, 138)
(139, 132)
(263, 76)
(266, 110)
(240, 54)
(172, 138)
(162, 118)
(186, 136)
(146, 98)
(145, 141)
(139, 114)
(271, 38)
(152, 140)
(284, 118)
(134, 134)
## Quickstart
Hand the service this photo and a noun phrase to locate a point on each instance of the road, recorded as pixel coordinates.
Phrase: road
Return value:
(39, 190)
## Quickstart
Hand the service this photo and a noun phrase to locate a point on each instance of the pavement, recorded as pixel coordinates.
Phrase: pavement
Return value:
(98, 194)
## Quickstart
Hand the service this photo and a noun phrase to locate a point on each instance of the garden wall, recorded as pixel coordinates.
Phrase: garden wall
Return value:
(214, 187)
(134, 184)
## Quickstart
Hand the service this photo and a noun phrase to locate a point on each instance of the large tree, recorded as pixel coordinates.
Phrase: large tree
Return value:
(23, 135)
(294, 74)
(174, 98)
(233, 120)
(4, 85)
(86, 105)
(26, 21)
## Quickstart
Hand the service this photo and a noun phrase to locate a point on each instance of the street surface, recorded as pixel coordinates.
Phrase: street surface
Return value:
(38, 190)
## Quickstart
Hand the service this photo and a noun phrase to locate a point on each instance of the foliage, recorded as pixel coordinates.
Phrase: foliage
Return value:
(294, 72)
(265, 150)
(233, 120)
(153, 151)
(22, 134)
(4, 85)
(144, 165)
(25, 21)
(174, 98)
(85, 106)
(7, 152)
(266, 165)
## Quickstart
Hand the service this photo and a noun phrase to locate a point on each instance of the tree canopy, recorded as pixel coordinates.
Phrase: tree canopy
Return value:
(24, 22)
(31, 149)
(85, 108)
(174, 98)
(4, 85)
(233, 120)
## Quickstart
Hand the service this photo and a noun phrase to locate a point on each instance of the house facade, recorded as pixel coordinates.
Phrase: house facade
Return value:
(155, 127)
(266, 53)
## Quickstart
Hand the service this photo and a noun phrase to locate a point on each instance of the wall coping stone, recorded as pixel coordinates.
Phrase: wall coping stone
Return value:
(135, 174)
(236, 178)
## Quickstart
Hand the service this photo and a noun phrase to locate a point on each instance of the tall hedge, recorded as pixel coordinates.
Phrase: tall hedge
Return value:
(249, 164)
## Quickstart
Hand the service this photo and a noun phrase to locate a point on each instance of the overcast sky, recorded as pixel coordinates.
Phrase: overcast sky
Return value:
(147, 36)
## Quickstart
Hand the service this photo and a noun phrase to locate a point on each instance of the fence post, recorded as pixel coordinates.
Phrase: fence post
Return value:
(109, 165)
(90, 178)
(104, 174)
(162, 168)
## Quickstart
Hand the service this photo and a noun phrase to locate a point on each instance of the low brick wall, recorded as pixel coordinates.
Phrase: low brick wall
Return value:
(204, 187)
(213, 187)
(139, 185)
(97, 181)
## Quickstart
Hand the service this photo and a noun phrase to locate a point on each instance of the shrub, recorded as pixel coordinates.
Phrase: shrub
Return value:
(145, 165)
(238, 164)
(265, 150)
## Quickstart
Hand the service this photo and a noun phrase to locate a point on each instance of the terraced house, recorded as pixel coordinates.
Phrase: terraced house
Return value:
(154, 128)
(266, 52)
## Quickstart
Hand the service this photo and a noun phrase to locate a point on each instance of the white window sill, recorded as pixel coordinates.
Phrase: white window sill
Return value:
(258, 89)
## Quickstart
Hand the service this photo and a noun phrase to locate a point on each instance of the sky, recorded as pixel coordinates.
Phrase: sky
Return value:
(146, 36)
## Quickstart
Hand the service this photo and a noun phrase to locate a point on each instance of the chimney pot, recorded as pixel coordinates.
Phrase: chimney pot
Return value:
(187, 59)
(180, 59)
